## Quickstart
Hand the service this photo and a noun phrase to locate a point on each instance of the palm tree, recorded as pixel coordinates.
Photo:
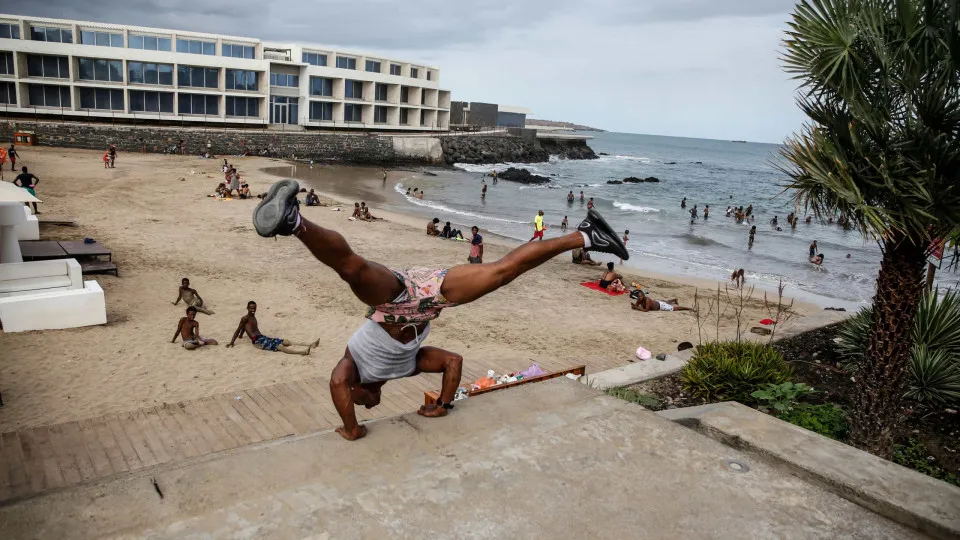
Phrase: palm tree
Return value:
(880, 83)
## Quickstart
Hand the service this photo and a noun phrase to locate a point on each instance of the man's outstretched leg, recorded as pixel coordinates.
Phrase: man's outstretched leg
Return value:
(278, 214)
(434, 360)
(468, 282)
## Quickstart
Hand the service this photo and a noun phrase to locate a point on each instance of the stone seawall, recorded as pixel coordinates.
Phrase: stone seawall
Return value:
(342, 147)
(502, 149)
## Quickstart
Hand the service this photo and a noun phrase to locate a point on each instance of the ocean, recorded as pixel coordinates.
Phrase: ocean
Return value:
(706, 172)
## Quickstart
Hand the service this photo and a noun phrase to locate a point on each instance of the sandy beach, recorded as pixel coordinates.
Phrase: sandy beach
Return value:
(153, 212)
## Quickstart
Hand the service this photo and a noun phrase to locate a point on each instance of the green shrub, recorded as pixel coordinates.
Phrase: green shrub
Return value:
(913, 455)
(781, 397)
(724, 371)
(827, 420)
(934, 371)
(626, 394)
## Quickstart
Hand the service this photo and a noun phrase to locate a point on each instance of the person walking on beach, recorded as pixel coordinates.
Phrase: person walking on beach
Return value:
(248, 325)
(112, 156)
(590, 204)
(189, 329)
(191, 297)
(404, 302)
(537, 227)
(683, 203)
(476, 247)
(626, 238)
(494, 176)
(28, 181)
(12, 156)
(753, 232)
(384, 177)
(563, 224)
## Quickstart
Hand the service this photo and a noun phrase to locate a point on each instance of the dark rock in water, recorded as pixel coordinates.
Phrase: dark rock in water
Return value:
(632, 180)
(698, 162)
(603, 154)
(554, 174)
(670, 163)
(522, 176)
(651, 179)
(615, 182)
(428, 173)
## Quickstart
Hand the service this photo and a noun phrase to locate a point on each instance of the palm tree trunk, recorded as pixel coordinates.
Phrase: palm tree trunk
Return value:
(880, 380)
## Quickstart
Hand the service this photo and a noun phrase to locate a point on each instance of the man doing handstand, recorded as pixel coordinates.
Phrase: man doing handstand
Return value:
(403, 302)
(248, 325)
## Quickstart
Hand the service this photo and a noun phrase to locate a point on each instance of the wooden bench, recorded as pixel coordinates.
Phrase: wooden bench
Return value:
(431, 397)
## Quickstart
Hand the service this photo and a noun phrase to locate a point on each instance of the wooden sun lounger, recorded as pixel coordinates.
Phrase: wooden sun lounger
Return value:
(59, 223)
(99, 267)
(40, 250)
(429, 398)
(76, 248)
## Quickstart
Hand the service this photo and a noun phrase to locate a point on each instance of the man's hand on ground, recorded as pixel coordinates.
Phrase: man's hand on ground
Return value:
(229, 345)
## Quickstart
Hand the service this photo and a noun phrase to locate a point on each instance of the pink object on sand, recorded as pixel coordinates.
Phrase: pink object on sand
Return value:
(533, 371)
(643, 354)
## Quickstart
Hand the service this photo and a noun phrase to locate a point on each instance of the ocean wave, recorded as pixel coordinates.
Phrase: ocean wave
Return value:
(443, 208)
(487, 168)
(634, 208)
(631, 158)
(699, 240)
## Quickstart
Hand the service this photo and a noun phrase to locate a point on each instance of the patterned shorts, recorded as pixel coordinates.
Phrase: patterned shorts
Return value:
(267, 343)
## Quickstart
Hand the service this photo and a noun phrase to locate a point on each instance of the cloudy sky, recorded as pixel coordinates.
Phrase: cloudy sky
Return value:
(696, 68)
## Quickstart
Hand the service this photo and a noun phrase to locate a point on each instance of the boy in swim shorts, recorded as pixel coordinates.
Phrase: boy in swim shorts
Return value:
(645, 303)
(402, 303)
(248, 325)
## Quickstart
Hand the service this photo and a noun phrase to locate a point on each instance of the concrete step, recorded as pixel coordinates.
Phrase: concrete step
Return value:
(549, 460)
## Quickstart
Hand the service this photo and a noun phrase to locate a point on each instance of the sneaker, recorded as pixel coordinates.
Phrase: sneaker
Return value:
(278, 213)
(602, 237)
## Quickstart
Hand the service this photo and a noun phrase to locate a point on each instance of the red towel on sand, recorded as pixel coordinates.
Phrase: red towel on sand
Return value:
(596, 286)
(768, 322)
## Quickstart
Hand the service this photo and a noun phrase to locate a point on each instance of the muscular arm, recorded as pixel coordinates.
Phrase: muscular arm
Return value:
(177, 331)
(179, 295)
(243, 322)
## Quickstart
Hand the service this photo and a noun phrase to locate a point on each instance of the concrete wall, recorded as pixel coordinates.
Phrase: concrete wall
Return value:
(509, 119)
(456, 112)
(483, 114)
(356, 148)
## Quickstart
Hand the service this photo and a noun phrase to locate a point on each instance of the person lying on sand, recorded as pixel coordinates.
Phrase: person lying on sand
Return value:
(367, 216)
(312, 199)
(445, 233)
(582, 256)
(404, 301)
(189, 330)
(432, 227)
(191, 297)
(248, 325)
(611, 280)
(645, 303)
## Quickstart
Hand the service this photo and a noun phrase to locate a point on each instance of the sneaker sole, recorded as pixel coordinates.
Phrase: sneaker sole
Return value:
(267, 216)
(605, 227)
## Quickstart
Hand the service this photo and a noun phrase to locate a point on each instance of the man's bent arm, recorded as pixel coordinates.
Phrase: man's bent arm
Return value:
(179, 296)
(177, 331)
(237, 333)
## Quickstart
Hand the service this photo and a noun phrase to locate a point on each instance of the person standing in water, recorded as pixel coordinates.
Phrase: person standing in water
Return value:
(706, 212)
(483, 192)
(590, 204)
(693, 214)
(563, 224)
(683, 203)
(753, 232)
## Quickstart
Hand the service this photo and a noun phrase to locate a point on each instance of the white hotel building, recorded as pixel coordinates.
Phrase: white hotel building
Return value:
(79, 70)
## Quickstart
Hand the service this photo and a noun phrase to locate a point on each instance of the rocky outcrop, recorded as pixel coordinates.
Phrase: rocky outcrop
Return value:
(635, 180)
(522, 176)
(504, 149)
(615, 182)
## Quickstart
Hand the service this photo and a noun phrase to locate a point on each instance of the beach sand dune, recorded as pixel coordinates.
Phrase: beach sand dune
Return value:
(153, 212)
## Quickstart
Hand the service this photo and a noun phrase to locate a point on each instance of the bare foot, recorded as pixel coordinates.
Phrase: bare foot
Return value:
(354, 434)
(432, 411)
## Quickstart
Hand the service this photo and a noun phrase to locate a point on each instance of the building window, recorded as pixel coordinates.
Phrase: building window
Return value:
(284, 79)
(241, 80)
(404, 117)
(57, 67)
(104, 39)
(45, 95)
(423, 117)
(284, 110)
(148, 73)
(149, 43)
(51, 34)
(144, 101)
(380, 92)
(321, 110)
(394, 69)
(320, 86)
(242, 106)
(101, 98)
(196, 46)
(414, 72)
(198, 77)
(373, 66)
(429, 75)
(8, 93)
(96, 69)
(237, 51)
(197, 104)
(380, 115)
(344, 62)
(353, 89)
(404, 94)
(315, 59)
(6, 63)
(10, 31)
(351, 113)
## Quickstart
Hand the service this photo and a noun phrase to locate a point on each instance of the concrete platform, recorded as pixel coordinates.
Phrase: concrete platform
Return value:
(550, 460)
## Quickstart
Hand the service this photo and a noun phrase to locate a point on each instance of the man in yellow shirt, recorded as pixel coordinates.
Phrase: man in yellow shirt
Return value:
(538, 226)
